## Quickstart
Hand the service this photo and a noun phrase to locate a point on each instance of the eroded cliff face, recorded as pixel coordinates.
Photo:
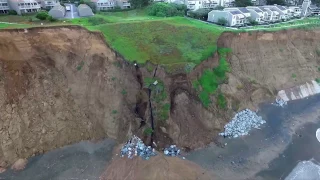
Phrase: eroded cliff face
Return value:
(264, 63)
(62, 85)
(59, 86)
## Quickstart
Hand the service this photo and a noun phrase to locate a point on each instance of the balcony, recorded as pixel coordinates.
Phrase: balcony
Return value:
(4, 7)
(30, 7)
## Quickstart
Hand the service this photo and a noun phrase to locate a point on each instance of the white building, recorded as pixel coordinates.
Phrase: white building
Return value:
(4, 7)
(295, 11)
(194, 4)
(104, 4)
(48, 4)
(123, 4)
(24, 6)
(233, 18)
(243, 10)
(283, 13)
(257, 15)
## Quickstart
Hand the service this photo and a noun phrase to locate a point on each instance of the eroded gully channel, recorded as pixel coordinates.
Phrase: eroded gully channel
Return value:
(141, 108)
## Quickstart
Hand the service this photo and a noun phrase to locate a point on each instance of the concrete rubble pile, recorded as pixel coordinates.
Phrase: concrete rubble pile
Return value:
(136, 147)
(280, 102)
(242, 123)
(172, 150)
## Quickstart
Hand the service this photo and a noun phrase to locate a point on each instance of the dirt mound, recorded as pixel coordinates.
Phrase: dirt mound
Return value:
(158, 167)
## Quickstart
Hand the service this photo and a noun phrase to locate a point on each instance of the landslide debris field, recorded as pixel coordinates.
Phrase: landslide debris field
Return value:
(60, 85)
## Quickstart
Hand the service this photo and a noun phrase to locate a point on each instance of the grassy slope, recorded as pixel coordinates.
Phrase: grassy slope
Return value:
(170, 41)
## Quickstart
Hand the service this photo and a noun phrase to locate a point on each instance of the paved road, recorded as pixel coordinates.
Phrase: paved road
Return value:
(73, 13)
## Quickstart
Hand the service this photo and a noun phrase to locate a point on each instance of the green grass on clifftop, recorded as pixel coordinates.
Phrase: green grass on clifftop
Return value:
(168, 41)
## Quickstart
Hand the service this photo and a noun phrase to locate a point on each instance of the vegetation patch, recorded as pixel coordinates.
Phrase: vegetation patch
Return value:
(293, 75)
(221, 101)
(318, 80)
(166, 42)
(81, 64)
(167, 9)
(148, 131)
(158, 97)
(210, 79)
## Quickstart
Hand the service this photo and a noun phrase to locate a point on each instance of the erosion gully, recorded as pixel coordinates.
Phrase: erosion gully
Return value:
(142, 123)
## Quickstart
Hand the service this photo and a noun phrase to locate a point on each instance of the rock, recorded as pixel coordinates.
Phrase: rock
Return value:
(19, 164)
(242, 123)
(280, 102)
(135, 147)
(2, 170)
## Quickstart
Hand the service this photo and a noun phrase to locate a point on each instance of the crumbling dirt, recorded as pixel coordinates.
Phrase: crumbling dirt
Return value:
(59, 86)
(263, 63)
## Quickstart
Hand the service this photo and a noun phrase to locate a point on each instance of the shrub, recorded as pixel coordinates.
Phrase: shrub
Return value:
(253, 22)
(148, 131)
(293, 75)
(51, 19)
(200, 14)
(222, 21)
(114, 111)
(221, 101)
(42, 15)
(124, 92)
(12, 12)
(318, 68)
(166, 10)
(318, 80)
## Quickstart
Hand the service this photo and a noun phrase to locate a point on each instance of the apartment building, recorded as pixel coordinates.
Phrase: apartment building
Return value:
(234, 18)
(123, 4)
(104, 4)
(4, 7)
(295, 11)
(48, 4)
(24, 6)
(243, 10)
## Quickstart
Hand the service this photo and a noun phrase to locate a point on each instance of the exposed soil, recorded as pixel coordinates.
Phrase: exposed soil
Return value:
(60, 85)
(159, 167)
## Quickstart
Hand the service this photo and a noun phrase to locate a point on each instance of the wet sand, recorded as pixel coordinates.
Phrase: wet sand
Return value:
(286, 134)
(84, 160)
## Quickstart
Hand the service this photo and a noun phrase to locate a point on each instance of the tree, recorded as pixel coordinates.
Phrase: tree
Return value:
(222, 21)
(279, 2)
(243, 3)
(42, 15)
(166, 10)
(200, 14)
(139, 3)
